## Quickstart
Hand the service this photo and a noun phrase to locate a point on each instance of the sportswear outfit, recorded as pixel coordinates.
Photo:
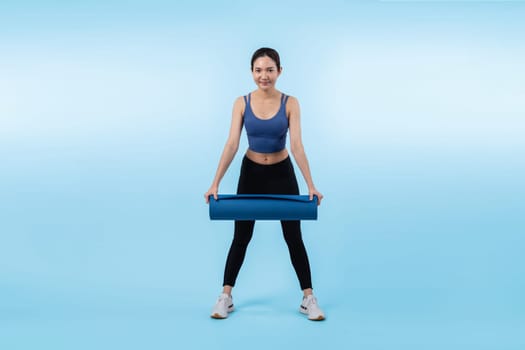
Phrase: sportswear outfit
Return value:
(267, 136)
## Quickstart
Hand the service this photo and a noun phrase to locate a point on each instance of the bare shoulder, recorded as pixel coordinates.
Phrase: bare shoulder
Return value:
(239, 105)
(292, 105)
(239, 101)
(292, 99)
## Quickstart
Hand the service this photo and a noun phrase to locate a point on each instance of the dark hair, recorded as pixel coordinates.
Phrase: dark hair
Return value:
(266, 51)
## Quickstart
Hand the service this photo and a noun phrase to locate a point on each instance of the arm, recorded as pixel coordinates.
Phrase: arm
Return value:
(296, 145)
(230, 148)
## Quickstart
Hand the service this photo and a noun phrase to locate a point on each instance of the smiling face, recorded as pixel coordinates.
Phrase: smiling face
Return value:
(265, 72)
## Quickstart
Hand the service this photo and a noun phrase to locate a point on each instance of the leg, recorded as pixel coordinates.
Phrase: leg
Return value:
(241, 238)
(249, 182)
(292, 236)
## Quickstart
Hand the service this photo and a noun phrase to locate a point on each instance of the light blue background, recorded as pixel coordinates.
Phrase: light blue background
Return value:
(113, 115)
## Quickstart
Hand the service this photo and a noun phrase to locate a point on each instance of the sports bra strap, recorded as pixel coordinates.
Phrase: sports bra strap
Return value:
(284, 99)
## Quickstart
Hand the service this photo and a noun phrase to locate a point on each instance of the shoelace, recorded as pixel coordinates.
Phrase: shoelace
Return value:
(223, 299)
(311, 301)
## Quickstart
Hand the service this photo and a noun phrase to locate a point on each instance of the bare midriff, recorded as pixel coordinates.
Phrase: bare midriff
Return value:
(267, 158)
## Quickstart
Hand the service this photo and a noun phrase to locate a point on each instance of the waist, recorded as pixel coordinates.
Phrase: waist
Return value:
(266, 144)
(267, 158)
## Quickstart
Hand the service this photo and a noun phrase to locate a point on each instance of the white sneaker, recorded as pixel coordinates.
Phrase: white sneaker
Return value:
(309, 307)
(222, 307)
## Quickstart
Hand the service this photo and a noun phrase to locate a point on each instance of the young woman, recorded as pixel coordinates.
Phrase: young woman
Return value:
(267, 115)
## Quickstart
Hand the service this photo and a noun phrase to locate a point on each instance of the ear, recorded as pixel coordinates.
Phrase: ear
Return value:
(281, 70)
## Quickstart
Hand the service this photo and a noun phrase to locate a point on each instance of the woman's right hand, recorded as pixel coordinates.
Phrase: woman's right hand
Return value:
(212, 191)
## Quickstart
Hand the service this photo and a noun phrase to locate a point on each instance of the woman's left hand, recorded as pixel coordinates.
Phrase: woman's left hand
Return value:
(313, 192)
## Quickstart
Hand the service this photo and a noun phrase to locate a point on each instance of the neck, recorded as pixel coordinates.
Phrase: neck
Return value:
(270, 93)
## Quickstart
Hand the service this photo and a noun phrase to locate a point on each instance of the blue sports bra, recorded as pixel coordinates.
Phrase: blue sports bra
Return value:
(266, 135)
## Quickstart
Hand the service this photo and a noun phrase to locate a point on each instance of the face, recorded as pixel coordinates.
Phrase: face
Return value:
(265, 72)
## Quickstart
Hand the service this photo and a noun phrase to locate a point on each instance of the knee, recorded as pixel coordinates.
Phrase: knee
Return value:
(241, 242)
(242, 238)
(293, 241)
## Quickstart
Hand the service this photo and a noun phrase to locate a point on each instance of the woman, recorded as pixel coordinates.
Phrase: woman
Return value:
(267, 115)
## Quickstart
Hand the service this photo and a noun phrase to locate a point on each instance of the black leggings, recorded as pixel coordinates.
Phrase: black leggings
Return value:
(276, 178)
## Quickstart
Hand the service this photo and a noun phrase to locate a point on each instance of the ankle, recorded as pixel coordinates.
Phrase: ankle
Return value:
(227, 290)
(307, 292)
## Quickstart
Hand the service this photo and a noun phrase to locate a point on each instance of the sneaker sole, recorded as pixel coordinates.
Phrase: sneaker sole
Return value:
(320, 318)
(219, 317)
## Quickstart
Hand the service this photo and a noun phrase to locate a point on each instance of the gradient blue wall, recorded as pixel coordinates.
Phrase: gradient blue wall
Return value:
(113, 115)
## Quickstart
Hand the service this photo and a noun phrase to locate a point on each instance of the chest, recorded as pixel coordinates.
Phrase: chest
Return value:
(265, 109)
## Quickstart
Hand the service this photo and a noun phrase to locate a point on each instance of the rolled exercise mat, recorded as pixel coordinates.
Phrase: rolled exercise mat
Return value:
(263, 207)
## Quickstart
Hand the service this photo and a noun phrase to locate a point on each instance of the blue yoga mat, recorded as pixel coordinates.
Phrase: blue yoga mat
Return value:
(263, 207)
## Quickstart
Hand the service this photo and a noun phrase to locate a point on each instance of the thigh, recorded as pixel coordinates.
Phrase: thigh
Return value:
(251, 178)
(291, 231)
(282, 179)
(243, 231)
